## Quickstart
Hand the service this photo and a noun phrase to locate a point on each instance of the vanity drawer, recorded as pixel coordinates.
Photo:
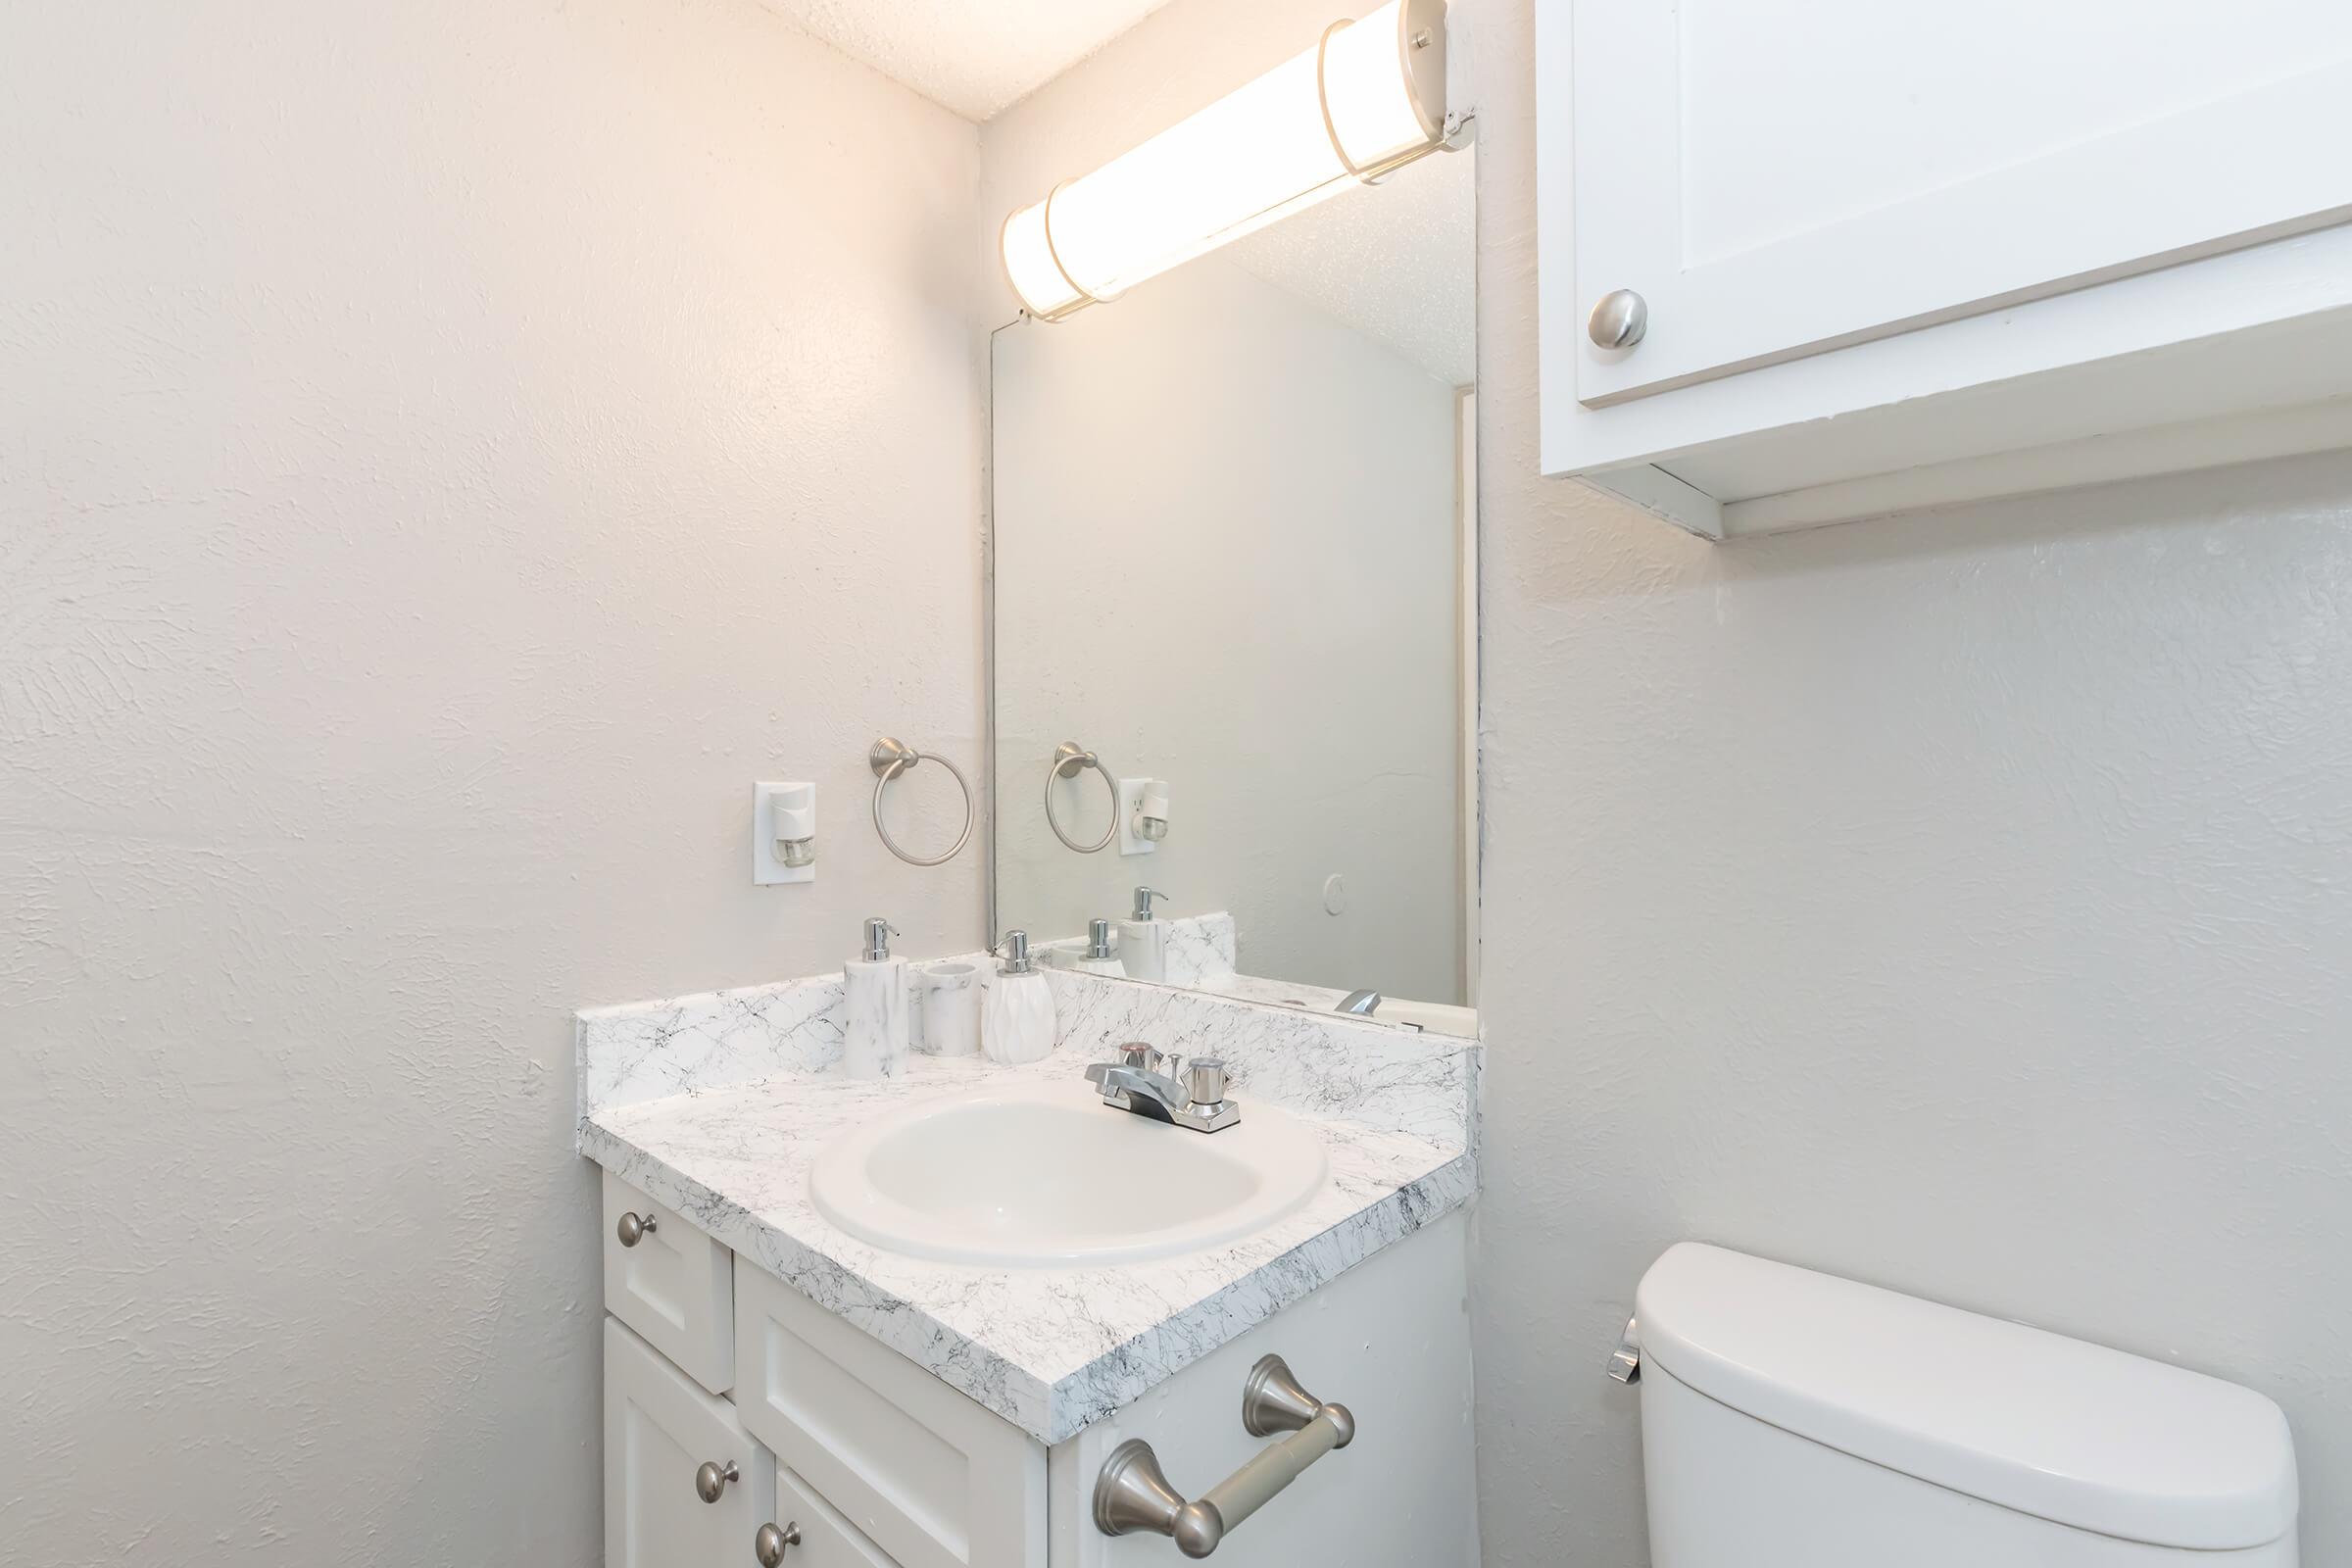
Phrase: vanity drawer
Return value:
(673, 1284)
(828, 1539)
(931, 1478)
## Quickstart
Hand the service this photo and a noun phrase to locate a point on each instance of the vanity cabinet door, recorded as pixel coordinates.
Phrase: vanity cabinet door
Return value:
(929, 1476)
(828, 1539)
(1780, 178)
(660, 1431)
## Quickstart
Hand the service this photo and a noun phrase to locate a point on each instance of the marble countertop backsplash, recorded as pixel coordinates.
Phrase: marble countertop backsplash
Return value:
(716, 1105)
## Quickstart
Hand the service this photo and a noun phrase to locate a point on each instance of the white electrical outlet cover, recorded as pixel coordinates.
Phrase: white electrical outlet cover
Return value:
(767, 800)
(1131, 794)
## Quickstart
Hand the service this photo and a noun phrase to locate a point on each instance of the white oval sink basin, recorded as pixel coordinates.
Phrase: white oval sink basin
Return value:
(1049, 1175)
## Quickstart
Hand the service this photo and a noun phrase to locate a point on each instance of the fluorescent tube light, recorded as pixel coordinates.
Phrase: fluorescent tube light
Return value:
(1369, 97)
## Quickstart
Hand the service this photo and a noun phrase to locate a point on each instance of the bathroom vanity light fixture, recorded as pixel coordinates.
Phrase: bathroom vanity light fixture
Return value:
(1369, 97)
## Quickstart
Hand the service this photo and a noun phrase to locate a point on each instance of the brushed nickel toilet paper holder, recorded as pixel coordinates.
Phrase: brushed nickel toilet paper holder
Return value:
(1132, 1494)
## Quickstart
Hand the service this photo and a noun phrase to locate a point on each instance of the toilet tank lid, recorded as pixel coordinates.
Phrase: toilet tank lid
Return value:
(2070, 1432)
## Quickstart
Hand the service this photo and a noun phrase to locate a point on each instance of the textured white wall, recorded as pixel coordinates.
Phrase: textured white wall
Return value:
(448, 451)
(1961, 903)
(1226, 557)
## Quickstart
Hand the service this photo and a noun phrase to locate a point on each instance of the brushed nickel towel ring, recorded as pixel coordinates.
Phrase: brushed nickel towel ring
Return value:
(1070, 759)
(889, 759)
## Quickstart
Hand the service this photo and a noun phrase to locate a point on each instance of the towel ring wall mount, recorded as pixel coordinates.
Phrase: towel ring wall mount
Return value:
(1069, 760)
(889, 759)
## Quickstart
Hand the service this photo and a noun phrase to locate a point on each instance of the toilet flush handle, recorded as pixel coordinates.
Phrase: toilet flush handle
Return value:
(1624, 1362)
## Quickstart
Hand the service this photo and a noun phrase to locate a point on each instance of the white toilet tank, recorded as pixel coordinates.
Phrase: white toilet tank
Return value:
(1793, 1420)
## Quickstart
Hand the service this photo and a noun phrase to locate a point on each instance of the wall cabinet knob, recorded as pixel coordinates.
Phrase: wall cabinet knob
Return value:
(769, 1544)
(711, 1480)
(1619, 319)
(634, 1229)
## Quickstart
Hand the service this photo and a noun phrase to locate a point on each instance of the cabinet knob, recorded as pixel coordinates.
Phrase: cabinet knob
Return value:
(634, 1229)
(769, 1544)
(1619, 319)
(711, 1480)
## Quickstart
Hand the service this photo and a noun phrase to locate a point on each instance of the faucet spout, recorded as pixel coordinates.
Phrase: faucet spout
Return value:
(1183, 1094)
(1147, 1094)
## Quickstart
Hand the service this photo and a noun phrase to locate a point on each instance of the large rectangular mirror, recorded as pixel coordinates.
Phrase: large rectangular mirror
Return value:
(1234, 595)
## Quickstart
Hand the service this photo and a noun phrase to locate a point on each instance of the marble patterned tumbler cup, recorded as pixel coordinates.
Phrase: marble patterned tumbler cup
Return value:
(950, 1010)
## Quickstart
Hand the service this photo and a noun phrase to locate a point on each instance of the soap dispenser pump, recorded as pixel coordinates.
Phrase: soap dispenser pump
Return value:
(1143, 939)
(875, 1005)
(1017, 1024)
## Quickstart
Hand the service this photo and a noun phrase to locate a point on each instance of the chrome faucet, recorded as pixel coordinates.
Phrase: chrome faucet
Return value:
(1166, 1087)
(1363, 1004)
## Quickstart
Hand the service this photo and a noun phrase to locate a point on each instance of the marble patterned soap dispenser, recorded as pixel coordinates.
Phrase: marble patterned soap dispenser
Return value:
(1017, 1024)
(875, 1034)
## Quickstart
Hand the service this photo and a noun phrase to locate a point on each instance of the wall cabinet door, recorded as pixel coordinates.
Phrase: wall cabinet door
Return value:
(1780, 178)
(660, 1430)
(1896, 256)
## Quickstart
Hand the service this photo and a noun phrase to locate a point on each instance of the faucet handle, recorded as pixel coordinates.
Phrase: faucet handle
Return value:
(1141, 1057)
(1204, 1081)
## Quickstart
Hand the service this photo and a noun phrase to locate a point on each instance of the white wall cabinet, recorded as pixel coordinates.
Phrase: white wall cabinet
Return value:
(1897, 256)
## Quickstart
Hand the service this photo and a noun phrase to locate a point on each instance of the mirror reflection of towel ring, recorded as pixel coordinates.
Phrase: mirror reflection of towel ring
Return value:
(891, 758)
(1069, 760)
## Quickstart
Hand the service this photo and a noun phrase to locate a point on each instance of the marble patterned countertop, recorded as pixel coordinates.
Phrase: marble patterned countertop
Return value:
(718, 1106)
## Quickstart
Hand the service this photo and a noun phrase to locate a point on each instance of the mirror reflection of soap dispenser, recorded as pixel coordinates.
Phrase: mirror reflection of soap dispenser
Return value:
(876, 1034)
(1143, 939)
(1100, 956)
(1016, 1023)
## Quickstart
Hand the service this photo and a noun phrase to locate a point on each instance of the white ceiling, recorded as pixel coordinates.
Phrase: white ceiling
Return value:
(974, 56)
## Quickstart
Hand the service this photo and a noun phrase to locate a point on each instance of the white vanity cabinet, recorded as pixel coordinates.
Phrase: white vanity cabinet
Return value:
(1882, 257)
(860, 1458)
